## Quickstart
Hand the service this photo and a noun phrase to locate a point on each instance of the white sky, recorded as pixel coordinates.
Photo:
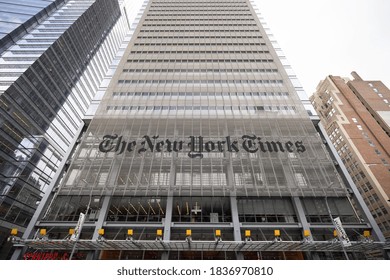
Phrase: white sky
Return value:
(332, 37)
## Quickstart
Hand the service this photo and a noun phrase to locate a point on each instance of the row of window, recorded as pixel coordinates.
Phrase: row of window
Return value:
(380, 95)
(199, 30)
(197, 51)
(56, 24)
(48, 30)
(209, 24)
(47, 35)
(14, 66)
(379, 212)
(193, 4)
(200, 37)
(202, 19)
(200, 10)
(34, 40)
(279, 94)
(34, 46)
(257, 70)
(201, 108)
(198, 60)
(365, 135)
(384, 226)
(26, 51)
(372, 200)
(200, 81)
(199, 44)
(196, 15)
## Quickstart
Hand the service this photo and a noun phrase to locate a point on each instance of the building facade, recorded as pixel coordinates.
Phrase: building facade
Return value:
(201, 148)
(51, 68)
(355, 114)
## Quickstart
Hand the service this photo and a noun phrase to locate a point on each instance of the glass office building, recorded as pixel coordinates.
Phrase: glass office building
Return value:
(49, 74)
(18, 17)
(201, 148)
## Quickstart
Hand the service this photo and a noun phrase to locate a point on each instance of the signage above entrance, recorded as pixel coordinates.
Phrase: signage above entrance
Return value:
(197, 145)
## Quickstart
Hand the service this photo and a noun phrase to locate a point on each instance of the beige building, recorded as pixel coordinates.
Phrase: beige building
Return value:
(356, 116)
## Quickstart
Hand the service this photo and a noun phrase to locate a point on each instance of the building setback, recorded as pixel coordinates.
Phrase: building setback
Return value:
(201, 148)
(356, 116)
(51, 67)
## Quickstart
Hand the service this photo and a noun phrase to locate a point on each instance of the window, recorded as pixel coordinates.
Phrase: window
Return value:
(300, 179)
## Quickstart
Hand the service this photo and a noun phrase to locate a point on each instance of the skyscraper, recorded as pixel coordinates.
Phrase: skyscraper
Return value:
(355, 114)
(201, 148)
(18, 17)
(53, 61)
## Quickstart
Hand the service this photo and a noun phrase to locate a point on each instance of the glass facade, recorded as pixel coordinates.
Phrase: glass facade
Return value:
(21, 16)
(200, 127)
(217, 90)
(48, 79)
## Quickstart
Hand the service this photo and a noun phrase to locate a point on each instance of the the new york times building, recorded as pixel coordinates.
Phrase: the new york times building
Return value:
(201, 148)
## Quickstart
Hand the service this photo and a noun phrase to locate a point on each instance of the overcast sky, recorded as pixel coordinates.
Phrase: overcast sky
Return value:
(332, 37)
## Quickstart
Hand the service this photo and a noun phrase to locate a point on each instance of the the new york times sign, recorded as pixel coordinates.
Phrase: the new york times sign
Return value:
(196, 146)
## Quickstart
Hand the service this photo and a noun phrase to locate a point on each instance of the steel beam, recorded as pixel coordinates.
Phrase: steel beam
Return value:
(167, 224)
(169, 206)
(236, 224)
(300, 213)
(102, 216)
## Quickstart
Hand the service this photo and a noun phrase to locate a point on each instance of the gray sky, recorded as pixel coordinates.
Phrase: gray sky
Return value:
(332, 37)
